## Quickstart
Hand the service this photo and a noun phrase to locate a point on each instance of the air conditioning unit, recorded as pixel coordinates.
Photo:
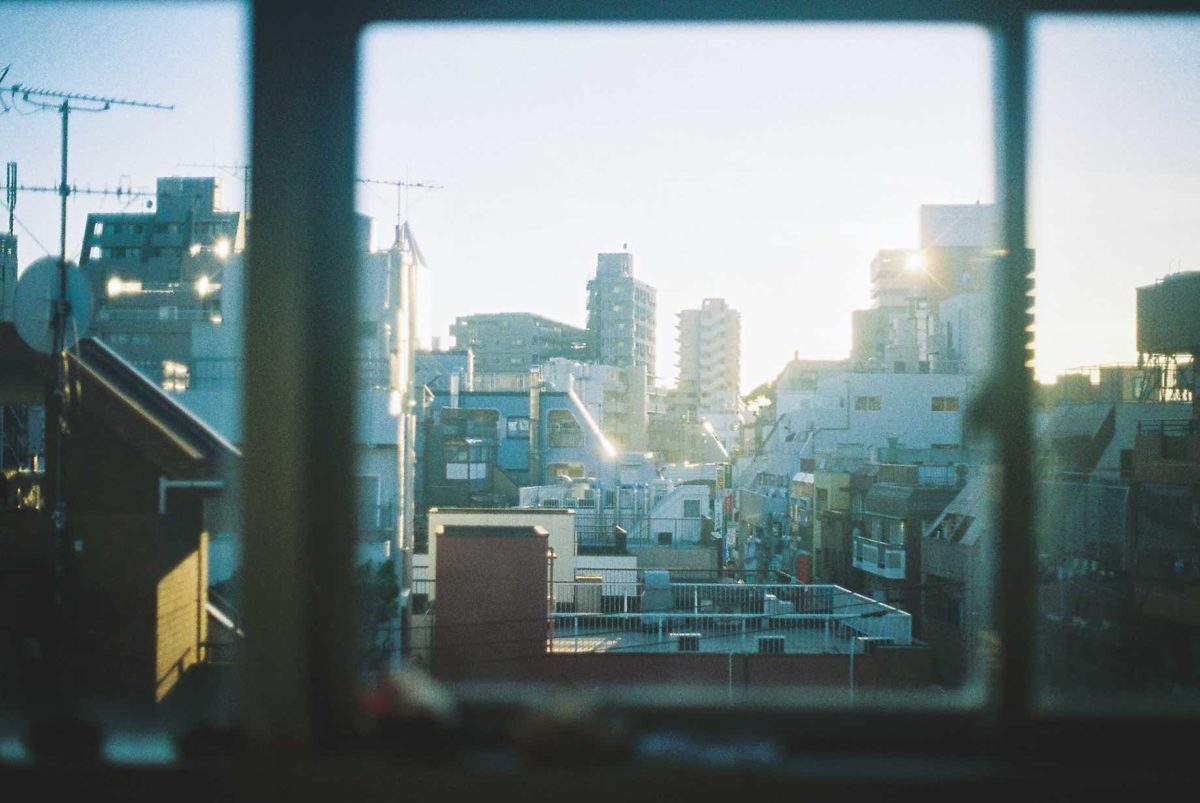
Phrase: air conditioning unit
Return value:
(687, 642)
(770, 645)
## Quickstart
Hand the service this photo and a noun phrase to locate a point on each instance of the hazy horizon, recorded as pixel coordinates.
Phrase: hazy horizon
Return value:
(763, 164)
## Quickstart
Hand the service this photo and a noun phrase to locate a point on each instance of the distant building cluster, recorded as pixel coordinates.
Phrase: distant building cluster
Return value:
(541, 507)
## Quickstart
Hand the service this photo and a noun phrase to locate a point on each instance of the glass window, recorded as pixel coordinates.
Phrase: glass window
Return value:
(1118, 452)
(563, 431)
(518, 428)
(150, 577)
(868, 403)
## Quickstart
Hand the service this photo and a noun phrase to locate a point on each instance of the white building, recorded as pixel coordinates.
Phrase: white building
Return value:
(617, 398)
(710, 357)
(929, 305)
(851, 414)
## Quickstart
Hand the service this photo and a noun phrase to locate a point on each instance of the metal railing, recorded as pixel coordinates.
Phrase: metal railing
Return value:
(878, 557)
(597, 530)
(1170, 428)
(609, 617)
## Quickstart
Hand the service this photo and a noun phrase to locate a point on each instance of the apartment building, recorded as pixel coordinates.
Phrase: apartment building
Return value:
(710, 358)
(621, 315)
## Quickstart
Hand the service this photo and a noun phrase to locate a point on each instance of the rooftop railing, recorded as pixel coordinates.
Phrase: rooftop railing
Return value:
(1170, 428)
(724, 617)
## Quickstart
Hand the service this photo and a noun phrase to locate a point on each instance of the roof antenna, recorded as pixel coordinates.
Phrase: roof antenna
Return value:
(64, 103)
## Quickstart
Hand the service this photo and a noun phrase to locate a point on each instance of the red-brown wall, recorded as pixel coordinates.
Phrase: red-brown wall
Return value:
(491, 609)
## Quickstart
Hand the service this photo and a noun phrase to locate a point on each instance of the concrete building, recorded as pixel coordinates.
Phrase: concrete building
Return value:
(621, 315)
(495, 622)
(955, 564)
(515, 342)
(710, 358)
(901, 503)
(157, 277)
(478, 449)
(616, 397)
(931, 305)
(443, 371)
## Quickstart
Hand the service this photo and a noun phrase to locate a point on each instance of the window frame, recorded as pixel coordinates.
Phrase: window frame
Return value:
(299, 688)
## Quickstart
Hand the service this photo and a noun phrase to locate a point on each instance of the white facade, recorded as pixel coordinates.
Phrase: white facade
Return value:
(850, 414)
(616, 398)
(710, 357)
(959, 226)
(965, 332)
(917, 411)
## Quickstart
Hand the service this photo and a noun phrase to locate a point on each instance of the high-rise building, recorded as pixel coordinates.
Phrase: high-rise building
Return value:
(710, 357)
(514, 342)
(160, 277)
(930, 306)
(620, 325)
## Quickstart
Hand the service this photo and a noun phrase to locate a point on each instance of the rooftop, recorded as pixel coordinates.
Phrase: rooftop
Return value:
(616, 614)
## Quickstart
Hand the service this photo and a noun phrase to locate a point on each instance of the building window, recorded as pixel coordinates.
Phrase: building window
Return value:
(944, 404)
(564, 431)
(571, 470)
(691, 508)
(517, 428)
(175, 376)
(868, 403)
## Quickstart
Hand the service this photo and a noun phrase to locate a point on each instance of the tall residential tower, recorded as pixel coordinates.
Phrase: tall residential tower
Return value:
(710, 357)
(620, 323)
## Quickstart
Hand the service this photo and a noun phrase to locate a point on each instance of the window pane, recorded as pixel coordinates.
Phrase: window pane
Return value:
(131, 608)
(1115, 192)
(736, 280)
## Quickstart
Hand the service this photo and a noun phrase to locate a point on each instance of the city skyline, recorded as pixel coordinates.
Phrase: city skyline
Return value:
(738, 198)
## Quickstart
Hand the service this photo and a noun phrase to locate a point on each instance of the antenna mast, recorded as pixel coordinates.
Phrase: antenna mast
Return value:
(10, 193)
(400, 187)
(64, 103)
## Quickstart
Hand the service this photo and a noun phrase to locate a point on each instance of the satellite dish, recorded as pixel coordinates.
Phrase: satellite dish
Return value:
(33, 304)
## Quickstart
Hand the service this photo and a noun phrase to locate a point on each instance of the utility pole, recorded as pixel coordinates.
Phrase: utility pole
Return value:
(64, 103)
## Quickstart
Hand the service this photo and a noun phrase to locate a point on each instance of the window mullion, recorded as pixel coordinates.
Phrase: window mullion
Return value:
(1009, 397)
(299, 502)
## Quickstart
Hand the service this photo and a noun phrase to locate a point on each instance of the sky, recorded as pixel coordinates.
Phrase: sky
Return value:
(761, 164)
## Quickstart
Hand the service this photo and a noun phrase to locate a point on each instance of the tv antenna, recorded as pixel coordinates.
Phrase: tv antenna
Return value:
(400, 186)
(64, 103)
(240, 172)
(12, 188)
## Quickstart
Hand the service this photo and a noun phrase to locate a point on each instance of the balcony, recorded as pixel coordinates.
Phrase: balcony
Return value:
(719, 618)
(1167, 452)
(879, 558)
